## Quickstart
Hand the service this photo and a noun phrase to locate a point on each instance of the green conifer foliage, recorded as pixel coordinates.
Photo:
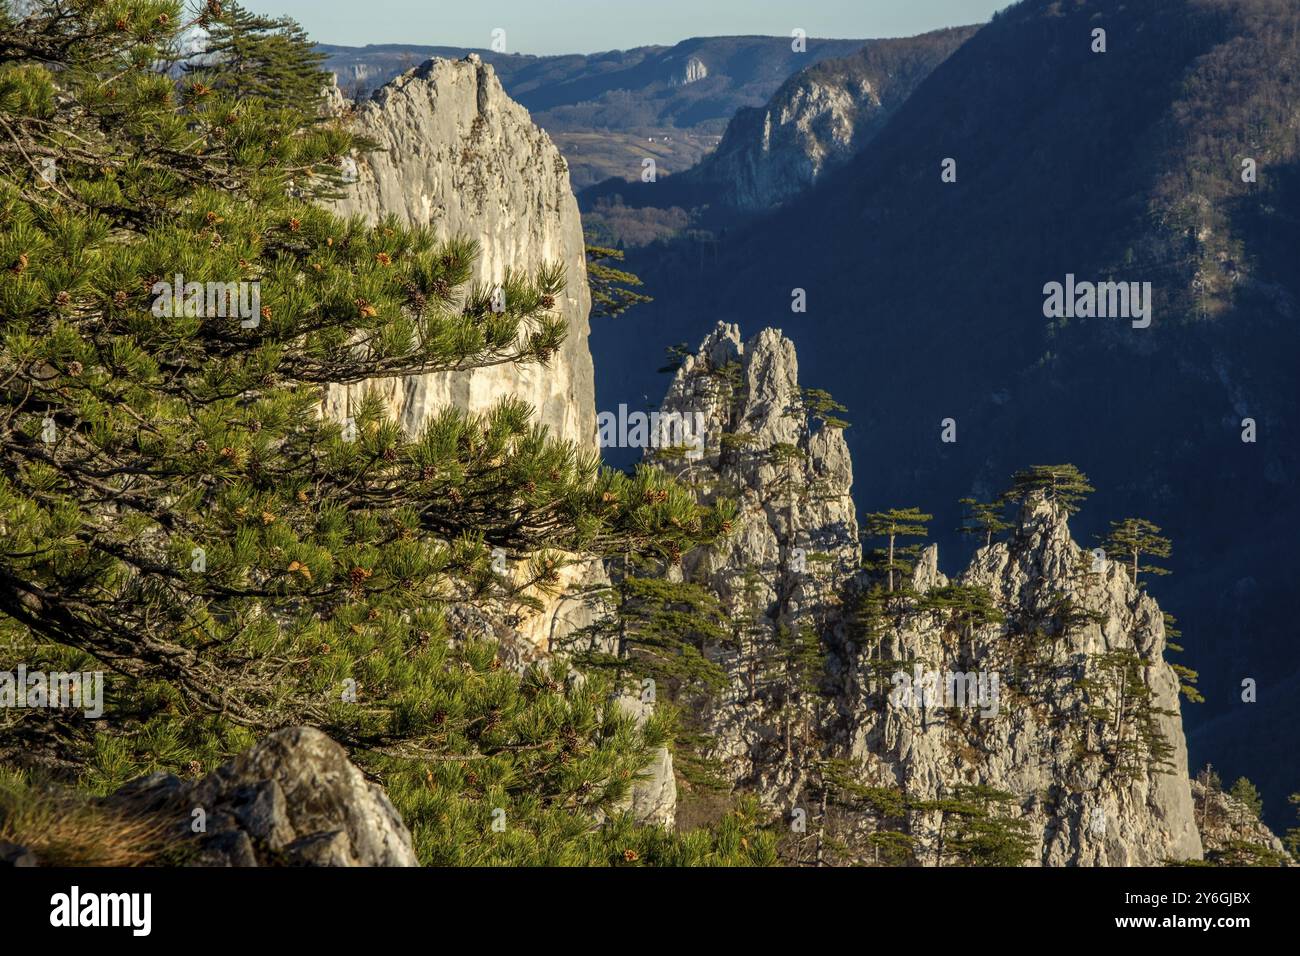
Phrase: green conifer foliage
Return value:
(892, 560)
(1064, 485)
(983, 519)
(979, 825)
(247, 55)
(613, 290)
(1132, 540)
(177, 511)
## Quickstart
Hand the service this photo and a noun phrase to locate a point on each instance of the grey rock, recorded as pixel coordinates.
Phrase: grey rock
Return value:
(818, 120)
(11, 854)
(1225, 823)
(653, 801)
(794, 547)
(459, 156)
(294, 799)
(1039, 743)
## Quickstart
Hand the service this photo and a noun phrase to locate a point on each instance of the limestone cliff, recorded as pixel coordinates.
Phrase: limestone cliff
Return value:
(794, 546)
(1232, 833)
(1072, 712)
(455, 153)
(1093, 782)
(818, 119)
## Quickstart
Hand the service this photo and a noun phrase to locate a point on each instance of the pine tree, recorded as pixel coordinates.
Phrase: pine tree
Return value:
(247, 55)
(820, 406)
(892, 525)
(1248, 796)
(1187, 677)
(657, 629)
(983, 518)
(848, 803)
(1121, 701)
(978, 827)
(968, 608)
(613, 290)
(1133, 539)
(178, 513)
(795, 667)
(1063, 485)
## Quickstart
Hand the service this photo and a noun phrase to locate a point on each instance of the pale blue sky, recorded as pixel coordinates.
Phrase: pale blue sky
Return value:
(588, 26)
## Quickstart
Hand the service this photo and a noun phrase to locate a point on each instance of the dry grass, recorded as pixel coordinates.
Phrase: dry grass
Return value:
(66, 829)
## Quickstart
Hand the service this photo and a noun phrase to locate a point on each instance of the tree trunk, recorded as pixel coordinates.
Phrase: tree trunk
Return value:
(821, 829)
(891, 564)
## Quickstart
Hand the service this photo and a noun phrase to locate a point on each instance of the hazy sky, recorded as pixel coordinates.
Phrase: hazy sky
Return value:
(587, 26)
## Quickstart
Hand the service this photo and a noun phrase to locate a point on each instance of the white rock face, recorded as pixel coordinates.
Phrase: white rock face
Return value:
(458, 155)
(794, 558)
(1040, 745)
(772, 154)
(795, 544)
(818, 120)
(695, 71)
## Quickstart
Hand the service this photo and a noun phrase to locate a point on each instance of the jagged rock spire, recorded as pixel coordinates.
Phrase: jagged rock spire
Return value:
(1082, 724)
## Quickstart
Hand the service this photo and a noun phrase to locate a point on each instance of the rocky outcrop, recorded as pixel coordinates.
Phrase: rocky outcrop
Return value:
(1232, 833)
(1052, 693)
(1092, 752)
(457, 155)
(653, 801)
(294, 799)
(794, 547)
(818, 119)
(694, 72)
